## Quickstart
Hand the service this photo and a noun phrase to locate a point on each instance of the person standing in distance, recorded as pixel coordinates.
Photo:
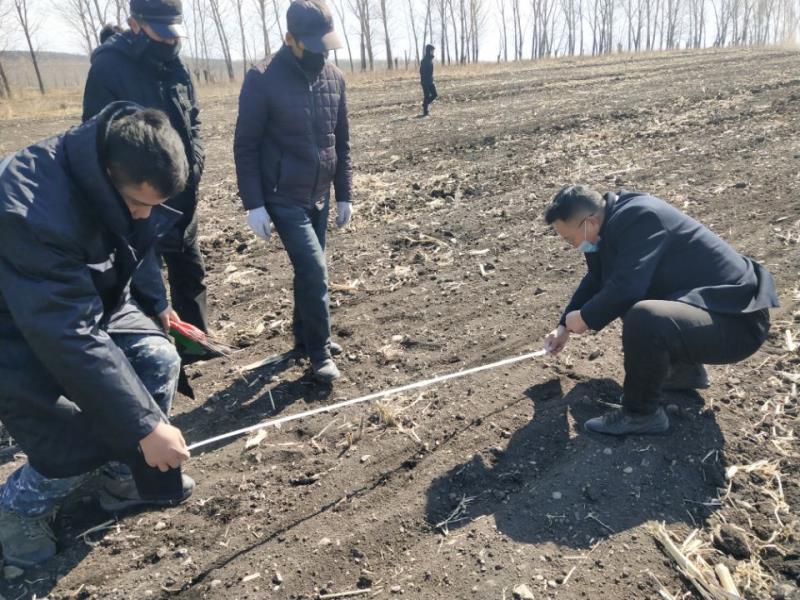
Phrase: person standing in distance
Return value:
(429, 93)
(292, 142)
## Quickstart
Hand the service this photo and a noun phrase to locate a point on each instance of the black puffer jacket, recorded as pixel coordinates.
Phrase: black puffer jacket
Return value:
(68, 249)
(292, 136)
(426, 71)
(121, 70)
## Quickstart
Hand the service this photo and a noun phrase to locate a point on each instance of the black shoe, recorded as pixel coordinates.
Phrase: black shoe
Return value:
(26, 541)
(117, 495)
(299, 351)
(325, 371)
(622, 422)
(686, 376)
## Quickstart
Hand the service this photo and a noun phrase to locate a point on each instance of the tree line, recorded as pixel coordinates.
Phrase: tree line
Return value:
(464, 31)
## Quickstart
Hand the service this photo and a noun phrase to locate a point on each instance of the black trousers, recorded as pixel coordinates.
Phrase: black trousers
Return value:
(429, 95)
(659, 333)
(186, 275)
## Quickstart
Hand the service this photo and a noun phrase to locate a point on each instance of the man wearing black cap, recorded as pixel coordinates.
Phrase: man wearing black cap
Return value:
(143, 65)
(292, 141)
(426, 79)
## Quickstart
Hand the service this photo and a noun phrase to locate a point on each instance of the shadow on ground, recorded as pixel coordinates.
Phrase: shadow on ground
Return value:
(555, 483)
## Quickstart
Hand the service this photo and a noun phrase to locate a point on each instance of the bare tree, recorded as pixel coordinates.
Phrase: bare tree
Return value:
(384, 15)
(238, 6)
(121, 10)
(340, 13)
(501, 4)
(413, 24)
(217, 16)
(5, 17)
(78, 14)
(29, 30)
(361, 9)
(261, 5)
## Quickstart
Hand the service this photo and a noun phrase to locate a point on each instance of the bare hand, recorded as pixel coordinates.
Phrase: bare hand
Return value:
(556, 340)
(164, 448)
(575, 322)
(166, 316)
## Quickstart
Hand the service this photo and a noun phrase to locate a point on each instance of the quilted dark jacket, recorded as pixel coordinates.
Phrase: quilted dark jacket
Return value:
(68, 249)
(292, 135)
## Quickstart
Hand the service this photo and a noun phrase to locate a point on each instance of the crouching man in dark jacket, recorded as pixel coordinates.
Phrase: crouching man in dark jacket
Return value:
(143, 65)
(686, 298)
(87, 378)
(292, 141)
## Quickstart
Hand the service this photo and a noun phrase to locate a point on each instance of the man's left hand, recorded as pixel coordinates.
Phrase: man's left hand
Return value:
(344, 211)
(575, 322)
(166, 316)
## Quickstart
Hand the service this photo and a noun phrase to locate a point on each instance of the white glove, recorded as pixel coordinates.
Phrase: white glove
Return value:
(344, 211)
(258, 220)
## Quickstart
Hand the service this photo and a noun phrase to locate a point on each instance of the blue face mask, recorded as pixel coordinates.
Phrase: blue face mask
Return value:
(586, 246)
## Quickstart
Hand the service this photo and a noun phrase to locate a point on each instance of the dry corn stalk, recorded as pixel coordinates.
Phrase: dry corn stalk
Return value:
(692, 565)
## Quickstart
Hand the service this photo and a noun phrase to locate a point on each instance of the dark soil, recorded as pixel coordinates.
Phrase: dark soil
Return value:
(471, 488)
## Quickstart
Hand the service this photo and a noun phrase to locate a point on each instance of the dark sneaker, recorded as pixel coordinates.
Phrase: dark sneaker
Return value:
(686, 376)
(26, 541)
(621, 422)
(117, 495)
(325, 371)
(300, 351)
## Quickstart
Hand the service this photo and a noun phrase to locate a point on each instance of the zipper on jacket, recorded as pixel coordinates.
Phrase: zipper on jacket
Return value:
(314, 135)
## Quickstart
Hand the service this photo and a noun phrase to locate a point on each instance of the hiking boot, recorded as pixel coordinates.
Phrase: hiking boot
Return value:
(26, 541)
(325, 371)
(299, 350)
(622, 422)
(119, 494)
(686, 376)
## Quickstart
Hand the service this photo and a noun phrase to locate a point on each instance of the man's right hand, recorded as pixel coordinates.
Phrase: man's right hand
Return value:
(556, 340)
(164, 448)
(259, 222)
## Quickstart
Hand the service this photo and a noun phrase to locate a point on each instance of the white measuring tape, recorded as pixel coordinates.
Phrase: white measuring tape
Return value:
(367, 398)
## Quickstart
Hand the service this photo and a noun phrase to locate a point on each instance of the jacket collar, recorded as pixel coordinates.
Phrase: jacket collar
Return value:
(134, 46)
(611, 204)
(288, 57)
(86, 166)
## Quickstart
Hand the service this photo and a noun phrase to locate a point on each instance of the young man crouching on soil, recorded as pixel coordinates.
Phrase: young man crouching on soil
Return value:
(686, 298)
(87, 378)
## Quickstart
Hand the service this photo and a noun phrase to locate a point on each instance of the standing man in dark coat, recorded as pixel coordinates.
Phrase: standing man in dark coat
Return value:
(292, 141)
(686, 298)
(426, 79)
(87, 377)
(143, 65)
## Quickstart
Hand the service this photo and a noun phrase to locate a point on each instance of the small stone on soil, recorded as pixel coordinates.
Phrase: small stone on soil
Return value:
(160, 526)
(556, 495)
(523, 592)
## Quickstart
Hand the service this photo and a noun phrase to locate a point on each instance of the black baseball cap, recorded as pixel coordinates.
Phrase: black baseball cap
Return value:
(165, 17)
(311, 22)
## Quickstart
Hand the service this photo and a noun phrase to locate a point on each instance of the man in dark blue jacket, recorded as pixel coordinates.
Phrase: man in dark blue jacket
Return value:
(292, 141)
(429, 93)
(143, 65)
(87, 377)
(685, 296)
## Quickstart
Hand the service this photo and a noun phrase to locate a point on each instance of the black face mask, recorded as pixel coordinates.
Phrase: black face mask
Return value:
(312, 62)
(161, 52)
